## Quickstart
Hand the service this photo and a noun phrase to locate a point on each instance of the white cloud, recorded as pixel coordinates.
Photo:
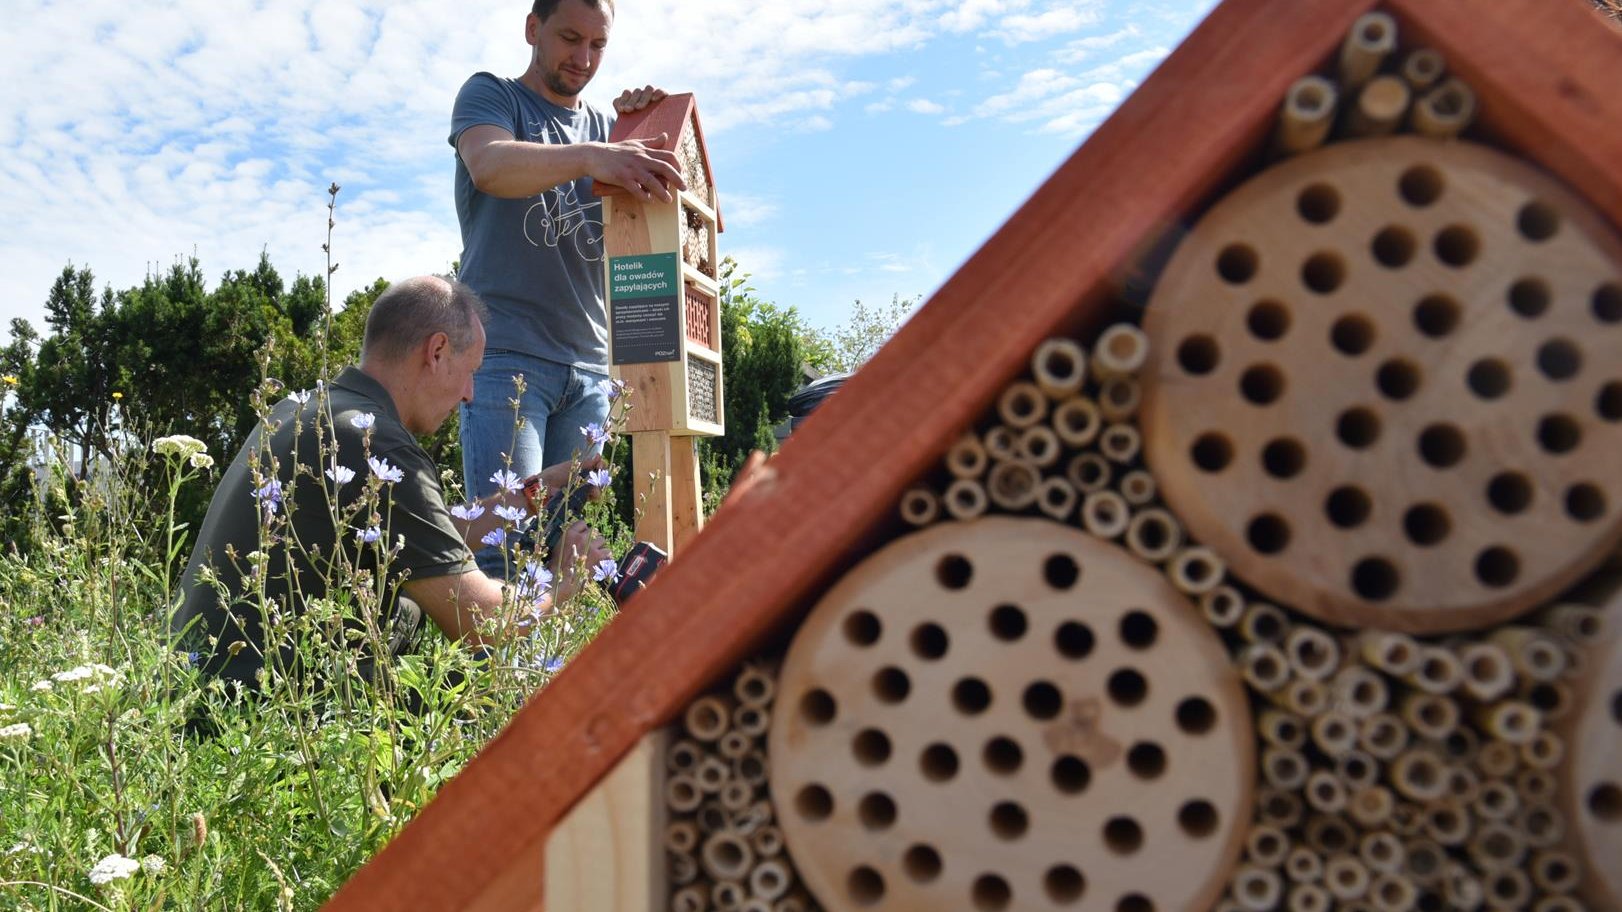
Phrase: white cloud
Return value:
(742, 210)
(1024, 28)
(924, 106)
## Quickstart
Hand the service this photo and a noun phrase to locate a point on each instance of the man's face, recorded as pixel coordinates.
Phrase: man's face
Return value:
(452, 384)
(568, 47)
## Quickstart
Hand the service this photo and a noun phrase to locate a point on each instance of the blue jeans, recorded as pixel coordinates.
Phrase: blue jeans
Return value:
(558, 401)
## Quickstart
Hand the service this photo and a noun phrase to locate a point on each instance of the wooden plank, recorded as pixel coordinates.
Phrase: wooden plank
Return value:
(607, 854)
(1547, 76)
(1203, 113)
(687, 500)
(659, 389)
(651, 482)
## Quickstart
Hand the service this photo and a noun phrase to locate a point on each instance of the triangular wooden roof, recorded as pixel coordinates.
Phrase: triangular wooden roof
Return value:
(673, 116)
(1546, 73)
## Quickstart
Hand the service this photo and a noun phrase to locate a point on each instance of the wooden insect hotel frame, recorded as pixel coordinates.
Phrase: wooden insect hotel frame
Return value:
(1264, 556)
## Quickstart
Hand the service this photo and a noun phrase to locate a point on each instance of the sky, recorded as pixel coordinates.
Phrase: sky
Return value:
(861, 149)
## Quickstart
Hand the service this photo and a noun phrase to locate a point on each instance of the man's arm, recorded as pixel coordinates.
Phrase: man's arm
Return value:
(505, 167)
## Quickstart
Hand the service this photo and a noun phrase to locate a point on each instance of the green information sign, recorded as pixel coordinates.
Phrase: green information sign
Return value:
(644, 308)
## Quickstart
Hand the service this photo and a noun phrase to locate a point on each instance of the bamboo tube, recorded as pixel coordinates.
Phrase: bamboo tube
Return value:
(1382, 735)
(728, 896)
(1544, 751)
(1419, 775)
(1369, 41)
(1462, 744)
(1307, 897)
(1578, 623)
(708, 718)
(683, 755)
(1357, 770)
(1532, 652)
(920, 507)
(1392, 894)
(1022, 405)
(1488, 673)
(1196, 570)
(1381, 106)
(755, 905)
(712, 817)
(1496, 845)
(1438, 672)
(1266, 845)
(1396, 654)
(1039, 446)
(1263, 667)
(735, 744)
(1425, 860)
(1278, 807)
(1510, 721)
(1313, 654)
(1077, 422)
(1382, 853)
(767, 841)
(1154, 534)
(1060, 368)
(1012, 485)
(1555, 871)
(1444, 111)
(1281, 728)
(1139, 487)
(1447, 822)
(1001, 442)
(750, 820)
(682, 868)
(1551, 698)
(736, 796)
(712, 773)
(966, 499)
(1359, 691)
(1431, 717)
(769, 880)
(1223, 606)
(967, 458)
(1303, 865)
(1285, 769)
(754, 686)
(1346, 877)
(1407, 819)
(1307, 115)
(1120, 443)
(1120, 351)
(1510, 889)
(1057, 498)
(752, 721)
(1263, 623)
(1371, 807)
(1325, 792)
(1497, 800)
(1463, 785)
(692, 898)
(1119, 398)
(1541, 824)
(1461, 888)
(1497, 759)
(1423, 68)
(1329, 835)
(1334, 732)
(1090, 472)
(1257, 889)
(1537, 785)
(791, 903)
(1105, 514)
(682, 793)
(726, 856)
(681, 836)
(1559, 904)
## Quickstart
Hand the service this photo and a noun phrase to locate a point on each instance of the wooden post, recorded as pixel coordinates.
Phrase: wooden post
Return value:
(650, 460)
(687, 497)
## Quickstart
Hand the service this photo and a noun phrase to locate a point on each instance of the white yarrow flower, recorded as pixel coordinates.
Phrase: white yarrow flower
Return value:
(42, 686)
(113, 867)
(153, 864)
(178, 445)
(201, 460)
(20, 731)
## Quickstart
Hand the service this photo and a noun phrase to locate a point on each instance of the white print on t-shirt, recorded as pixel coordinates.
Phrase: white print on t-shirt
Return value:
(559, 214)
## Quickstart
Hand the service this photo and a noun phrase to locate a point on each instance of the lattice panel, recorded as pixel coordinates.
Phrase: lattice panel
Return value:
(697, 241)
(691, 159)
(703, 390)
(699, 304)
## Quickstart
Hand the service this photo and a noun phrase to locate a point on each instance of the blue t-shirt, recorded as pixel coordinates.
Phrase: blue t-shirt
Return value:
(536, 262)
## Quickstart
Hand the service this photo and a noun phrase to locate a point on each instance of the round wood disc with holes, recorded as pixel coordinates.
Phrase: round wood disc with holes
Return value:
(1385, 383)
(1010, 714)
(1591, 784)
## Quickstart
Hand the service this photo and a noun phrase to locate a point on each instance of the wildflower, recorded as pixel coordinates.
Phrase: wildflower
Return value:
(535, 580)
(341, 474)
(553, 665)
(153, 864)
(510, 514)
(269, 496)
(468, 512)
(200, 460)
(368, 535)
(495, 537)
(384, 471)
(301, 397)
(96, 671)
(178, 445)
(42, 686)
(10, 379)
(595, 434)
(508, 481)
(20, 731)
(194, 659)
(36, 621)
(613, 389)
(363, 421)
(598, 478)
(113, 867)
(607, 570)
(117, 395)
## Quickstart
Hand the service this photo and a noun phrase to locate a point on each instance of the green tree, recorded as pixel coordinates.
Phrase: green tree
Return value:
(847, 346)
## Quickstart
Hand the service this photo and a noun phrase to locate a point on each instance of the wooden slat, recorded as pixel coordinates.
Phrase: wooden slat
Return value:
(607, 854)
(1052, 266)
(651, 482)
(686, 496)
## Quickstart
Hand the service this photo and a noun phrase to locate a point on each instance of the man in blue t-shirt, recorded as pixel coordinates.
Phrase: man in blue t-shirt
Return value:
(527, 151)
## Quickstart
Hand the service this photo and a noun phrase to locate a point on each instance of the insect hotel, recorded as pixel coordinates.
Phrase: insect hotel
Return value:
(1251, 544)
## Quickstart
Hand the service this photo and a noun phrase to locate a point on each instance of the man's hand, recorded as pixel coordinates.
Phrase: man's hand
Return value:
(579, 552)
(644, 168)
(637, 99)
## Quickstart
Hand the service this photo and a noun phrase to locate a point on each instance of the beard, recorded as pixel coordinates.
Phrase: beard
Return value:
(563, 84)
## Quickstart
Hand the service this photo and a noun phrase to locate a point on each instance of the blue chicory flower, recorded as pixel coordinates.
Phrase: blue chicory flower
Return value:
(495, 537)
(607, 570)
(363, 421)
(341, 474)
(508, 481)
(468, 512)
(369, 534)
(598, 478)
(384, 471)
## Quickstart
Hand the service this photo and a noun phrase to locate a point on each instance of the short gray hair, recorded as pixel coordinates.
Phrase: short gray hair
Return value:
(411, 310)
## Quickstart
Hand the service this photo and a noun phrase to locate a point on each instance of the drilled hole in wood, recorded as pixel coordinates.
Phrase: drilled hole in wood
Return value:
(1348, 506)
(929, 641)
(1421, 185)
(938, 763)
(1043, 701)
(1608, 402)
(1127, 687)
(1198, 355)
(876, 811)
(1441, 446)
(1135, 902)
(1268, 320)
(1436, 316)
(954, 571)
(1318, 203)
(1489, 378)
(1003, 756)
(1196, 716)
(1237, 263)
(871, 747)
(863, 628)
(1073, 640)
(1497, 567)
(1139, 630)
(1323, 272)
(814, 803)
(921, 863)
(1537, 221)
(818, 707)
(891, 685)
(1268, 533)
(1605, 802)
(1397, 379)
(1375, 579)
(1559, 434)
(1560, 359)
(1198, 818)
(971, 696)
(1426, 524)
(1061, 571)
(865, 886)
(1616, 707)
(1064, 884)
(1212, 452)
(1008, 623)
(1262, 384)
(1529, 298)
(1585, 502)
(1123, 835)
(1510, 492)
(1284, 458)
(1146, 760)
(1457, 245)
(1393, 247)
(1009, 820)
(1608, 303)
(991, 893)
(1070, 774)
(1352, 334)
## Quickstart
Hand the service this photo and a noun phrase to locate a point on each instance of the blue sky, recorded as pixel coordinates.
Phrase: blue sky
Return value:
(861, 148)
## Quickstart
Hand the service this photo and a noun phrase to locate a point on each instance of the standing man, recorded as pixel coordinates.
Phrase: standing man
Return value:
(527, 151)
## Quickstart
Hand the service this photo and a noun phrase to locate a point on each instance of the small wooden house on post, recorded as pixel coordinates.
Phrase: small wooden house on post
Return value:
(664, 316)
(1139, 687)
